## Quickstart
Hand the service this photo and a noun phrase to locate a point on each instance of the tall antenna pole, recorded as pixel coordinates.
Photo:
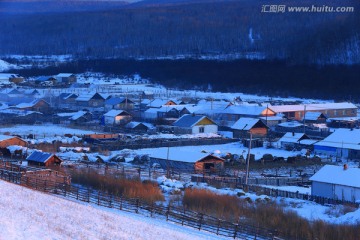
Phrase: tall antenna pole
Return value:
(248, 161)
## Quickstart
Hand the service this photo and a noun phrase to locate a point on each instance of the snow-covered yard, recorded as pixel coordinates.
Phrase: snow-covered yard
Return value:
(27, 214)
(43, 130)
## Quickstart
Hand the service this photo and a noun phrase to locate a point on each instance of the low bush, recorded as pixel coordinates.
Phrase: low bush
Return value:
(117, 185)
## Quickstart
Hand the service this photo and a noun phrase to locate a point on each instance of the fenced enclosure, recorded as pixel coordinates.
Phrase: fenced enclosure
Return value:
(169, 213)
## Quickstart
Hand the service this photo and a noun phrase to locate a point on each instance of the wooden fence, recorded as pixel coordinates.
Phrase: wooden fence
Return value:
(238, 182)
(156, 143)
(253, 186)
(169, 213)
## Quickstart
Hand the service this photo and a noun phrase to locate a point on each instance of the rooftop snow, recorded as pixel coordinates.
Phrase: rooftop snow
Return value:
(312, 107)
(114, 113)
(245, 123)
(342, 138)
(337, 175)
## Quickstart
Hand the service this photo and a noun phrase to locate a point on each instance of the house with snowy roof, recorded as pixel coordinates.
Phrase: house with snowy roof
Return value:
(272, 121)
(244, 126)
(194, 124)
(292, 140)
(232, 113)
(158, 103)
(119, 103)
(38, 105)
(290, 126)
(7, 140)
(116, 117)
(169, 112)
(46, 80)
(32, 92)
(16, 116)
(43, 159)
(330, 110)
(65, 78)
(186, 160)
(78, 117)
(6, 78)
(342, 143)
(95, 100)
(139, 127)
(337, 182)
(314, 117)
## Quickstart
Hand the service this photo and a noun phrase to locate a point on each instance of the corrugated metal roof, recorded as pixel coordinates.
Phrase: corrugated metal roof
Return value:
(40, 157)
(188, 120)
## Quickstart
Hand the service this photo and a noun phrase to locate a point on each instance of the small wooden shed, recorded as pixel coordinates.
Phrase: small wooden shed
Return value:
(244, 126)
(186, 161)
(43, 159)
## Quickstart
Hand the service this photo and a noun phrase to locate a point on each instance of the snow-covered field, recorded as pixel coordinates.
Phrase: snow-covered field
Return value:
(43, 130)
(27, 214)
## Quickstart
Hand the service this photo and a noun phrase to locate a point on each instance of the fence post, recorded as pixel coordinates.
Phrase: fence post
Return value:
(137, 205)
(235, 230)
(45, 185)
(77, 193)
(182, 220)
(151, 209)
(110, 201)
(88, 195)
(167, 212)
(98, 198)
(218, 227)
(121, 200)
(200, 220)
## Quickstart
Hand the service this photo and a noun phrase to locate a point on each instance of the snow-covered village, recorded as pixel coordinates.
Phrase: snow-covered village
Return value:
(167, 126)
(80, 137)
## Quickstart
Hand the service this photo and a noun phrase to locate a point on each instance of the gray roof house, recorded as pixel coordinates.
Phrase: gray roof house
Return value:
(190, 123)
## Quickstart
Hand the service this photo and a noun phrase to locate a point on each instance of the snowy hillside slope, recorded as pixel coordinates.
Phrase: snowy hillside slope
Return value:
(27, 214)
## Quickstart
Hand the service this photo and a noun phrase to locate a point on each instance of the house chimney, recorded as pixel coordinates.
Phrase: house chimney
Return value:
(345, 166)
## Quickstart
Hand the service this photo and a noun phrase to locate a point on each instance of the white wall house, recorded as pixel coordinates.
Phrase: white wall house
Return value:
(116, 117)
(337, 182)
(195, 124)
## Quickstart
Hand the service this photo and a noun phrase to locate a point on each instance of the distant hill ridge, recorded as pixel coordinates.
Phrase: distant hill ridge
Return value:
(197, 28)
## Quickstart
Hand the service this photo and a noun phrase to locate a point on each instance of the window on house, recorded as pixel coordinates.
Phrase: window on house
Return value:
(201, 129)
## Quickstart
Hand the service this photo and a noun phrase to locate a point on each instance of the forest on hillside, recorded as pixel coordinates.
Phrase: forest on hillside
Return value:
(272, 78)
(195, 29)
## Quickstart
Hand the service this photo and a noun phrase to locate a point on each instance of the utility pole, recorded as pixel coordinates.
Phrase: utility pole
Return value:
(304, 117)
(248, 161)
(167, 163)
